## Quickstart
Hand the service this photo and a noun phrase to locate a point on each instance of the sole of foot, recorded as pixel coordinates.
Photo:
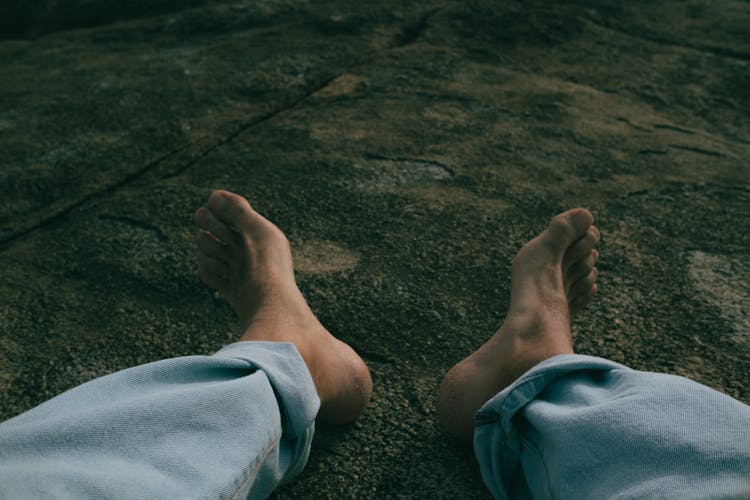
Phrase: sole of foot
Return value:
(248, 260)
(553, 278)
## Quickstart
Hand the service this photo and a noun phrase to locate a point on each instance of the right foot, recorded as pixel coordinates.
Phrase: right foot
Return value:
(552, 279)
(247, 259)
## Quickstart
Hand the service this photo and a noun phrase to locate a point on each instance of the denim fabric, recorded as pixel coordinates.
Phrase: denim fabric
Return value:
(578, 427)
(231, 425)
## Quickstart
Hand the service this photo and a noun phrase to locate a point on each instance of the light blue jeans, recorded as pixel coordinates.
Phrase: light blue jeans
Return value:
(580, 427)
(231, 425)
(240, 423)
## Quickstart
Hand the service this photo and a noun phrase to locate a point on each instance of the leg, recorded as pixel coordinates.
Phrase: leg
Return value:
(234, 424)
(554, 424)
(580, 427)
(230, 425)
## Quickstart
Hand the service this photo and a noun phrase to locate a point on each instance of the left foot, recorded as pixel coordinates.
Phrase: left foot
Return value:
(247, 259)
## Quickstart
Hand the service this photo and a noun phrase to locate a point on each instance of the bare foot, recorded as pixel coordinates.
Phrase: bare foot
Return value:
(552, 279)
(247, 259)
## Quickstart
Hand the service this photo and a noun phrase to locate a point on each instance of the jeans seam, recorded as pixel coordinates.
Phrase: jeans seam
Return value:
(533, 446)
(254, 471)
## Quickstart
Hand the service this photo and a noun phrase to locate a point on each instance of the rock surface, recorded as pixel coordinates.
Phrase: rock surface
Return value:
(407, 150)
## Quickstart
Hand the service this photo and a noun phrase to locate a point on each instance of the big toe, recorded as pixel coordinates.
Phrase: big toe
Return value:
(231, 209)
(567, 227)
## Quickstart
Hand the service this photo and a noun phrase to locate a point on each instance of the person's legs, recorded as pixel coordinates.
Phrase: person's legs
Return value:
(553, 424)
(236, 423)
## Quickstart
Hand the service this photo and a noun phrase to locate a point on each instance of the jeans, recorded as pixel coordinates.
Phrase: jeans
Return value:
(582, 427)
(231, 425)
(240, 423)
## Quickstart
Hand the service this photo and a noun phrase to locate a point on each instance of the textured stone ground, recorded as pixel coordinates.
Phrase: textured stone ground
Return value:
(407, 150)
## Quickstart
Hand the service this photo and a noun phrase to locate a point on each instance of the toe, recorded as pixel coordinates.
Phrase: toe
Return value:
(231, 209)
(582, 247)
(583, 285)
(581, 268)
(569, 226)
(212, 247)
(214, 281)
(210, 266)
(582, 301)
(207, 221)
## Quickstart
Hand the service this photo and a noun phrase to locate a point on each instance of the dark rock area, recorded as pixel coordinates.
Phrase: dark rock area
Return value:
(408, 150)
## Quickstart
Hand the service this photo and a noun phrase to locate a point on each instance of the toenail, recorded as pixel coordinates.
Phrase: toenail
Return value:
(221, 200)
